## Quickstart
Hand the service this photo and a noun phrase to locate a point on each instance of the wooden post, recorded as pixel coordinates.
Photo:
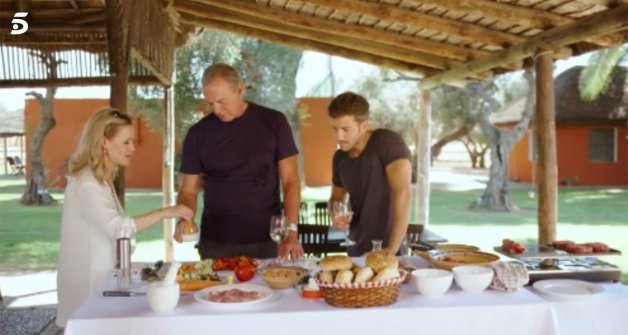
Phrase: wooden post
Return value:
(423, 141)
(167, 170)
(546, 148)
(117, 12)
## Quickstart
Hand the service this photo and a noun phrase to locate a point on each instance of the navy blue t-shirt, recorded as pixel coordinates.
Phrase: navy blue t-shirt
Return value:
(238, 162)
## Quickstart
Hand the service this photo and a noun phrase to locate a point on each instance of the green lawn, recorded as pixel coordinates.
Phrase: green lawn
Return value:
(29, 235)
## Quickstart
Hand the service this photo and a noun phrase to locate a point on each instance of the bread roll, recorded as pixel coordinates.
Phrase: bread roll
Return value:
(387, 273)
(355, 267)
(364, 274)
(336, 263)
(344, 276)
(327, 277)
(378, 260)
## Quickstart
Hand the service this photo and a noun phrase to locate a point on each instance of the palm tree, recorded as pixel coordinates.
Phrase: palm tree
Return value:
(595, 77)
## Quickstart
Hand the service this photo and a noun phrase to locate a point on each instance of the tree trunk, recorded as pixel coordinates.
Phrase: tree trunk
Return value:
(496, 197)
(36, 191)
(438, 146)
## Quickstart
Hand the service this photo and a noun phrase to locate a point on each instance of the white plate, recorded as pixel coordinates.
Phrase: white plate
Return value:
(568, 289)
(202, 295)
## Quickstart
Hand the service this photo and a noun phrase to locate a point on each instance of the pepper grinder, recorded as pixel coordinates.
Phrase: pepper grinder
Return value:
(123, 262)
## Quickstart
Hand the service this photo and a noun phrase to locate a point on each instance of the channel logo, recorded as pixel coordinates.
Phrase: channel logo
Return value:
(20, 26)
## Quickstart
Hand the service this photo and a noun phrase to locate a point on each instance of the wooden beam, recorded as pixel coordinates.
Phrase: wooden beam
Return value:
(467, 31)
(306, 44)
(167, 169)
(523, 16)
(40, 14)
(423, 155)
(401, 54)
(333, 27)
(74, 5)
(597, 24)
(62, 82)
(38, 27)
(546, 149)
(118, 22)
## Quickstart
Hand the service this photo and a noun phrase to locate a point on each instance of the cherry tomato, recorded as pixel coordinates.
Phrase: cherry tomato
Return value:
(244, 272)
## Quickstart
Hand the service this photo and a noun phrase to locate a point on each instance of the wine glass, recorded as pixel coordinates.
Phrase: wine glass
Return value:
(278, 230)
(342, 214)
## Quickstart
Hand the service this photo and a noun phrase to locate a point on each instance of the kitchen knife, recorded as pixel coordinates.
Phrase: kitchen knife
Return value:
(122, 293)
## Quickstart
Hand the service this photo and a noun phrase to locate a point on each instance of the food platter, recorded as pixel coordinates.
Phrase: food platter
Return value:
(568, 289)
(448, 260)
(547, 251)
(231, 295)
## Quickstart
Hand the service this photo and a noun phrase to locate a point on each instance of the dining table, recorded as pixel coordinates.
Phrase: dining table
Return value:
(525, 311)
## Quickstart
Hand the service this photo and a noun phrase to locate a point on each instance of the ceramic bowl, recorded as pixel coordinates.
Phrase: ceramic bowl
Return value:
(163, 298)
(432, 282)
(473, 278)
(449, 260)
(282, 277)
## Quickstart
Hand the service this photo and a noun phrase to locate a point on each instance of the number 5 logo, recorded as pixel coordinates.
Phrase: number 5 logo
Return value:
(19, 26)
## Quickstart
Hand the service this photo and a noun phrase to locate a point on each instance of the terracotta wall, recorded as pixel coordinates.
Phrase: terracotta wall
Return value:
(317, 142)
(61, 141)
(572, 144)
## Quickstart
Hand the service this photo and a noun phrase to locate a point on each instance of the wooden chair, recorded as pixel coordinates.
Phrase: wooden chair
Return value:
(321, 214)
(313, 238)
(304, 212)
(414, 232)
(15, 163)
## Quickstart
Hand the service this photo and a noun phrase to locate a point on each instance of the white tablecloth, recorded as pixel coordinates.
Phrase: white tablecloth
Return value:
(457, 312)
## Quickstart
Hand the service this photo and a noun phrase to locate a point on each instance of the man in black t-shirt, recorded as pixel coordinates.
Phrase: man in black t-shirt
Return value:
(373, 167)
(239, 154)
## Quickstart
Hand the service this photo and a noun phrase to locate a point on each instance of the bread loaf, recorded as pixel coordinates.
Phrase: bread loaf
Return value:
(344, 276)
(364, 274)
(378, 260)
(327, 277)
(387, 273)
(336, 263)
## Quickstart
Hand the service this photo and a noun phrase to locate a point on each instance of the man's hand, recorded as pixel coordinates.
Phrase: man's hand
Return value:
(291, 248)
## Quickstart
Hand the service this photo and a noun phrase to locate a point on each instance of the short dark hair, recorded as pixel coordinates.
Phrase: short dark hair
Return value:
(349, 104)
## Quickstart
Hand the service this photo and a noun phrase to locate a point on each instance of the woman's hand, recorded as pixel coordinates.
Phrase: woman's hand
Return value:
(178, 211)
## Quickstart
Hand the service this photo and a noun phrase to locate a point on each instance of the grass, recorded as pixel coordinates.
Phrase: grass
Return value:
(29, 235)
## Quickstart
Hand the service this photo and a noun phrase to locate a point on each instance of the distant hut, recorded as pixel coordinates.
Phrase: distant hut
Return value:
(591, 136)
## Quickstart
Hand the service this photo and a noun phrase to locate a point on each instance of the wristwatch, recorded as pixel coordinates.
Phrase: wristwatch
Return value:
(293, 227)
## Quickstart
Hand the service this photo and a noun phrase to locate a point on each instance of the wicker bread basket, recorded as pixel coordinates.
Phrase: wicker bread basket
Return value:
(368, 294)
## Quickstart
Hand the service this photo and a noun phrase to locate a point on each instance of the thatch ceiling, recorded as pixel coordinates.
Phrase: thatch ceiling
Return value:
(443, 39)
(611, 107)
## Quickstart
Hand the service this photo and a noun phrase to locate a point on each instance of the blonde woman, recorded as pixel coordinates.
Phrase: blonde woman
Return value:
(92, 213)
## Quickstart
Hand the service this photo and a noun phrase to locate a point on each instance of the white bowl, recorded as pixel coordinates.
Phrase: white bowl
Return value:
(473, 278)
(432, 282)
(163, 298)
(190, 237)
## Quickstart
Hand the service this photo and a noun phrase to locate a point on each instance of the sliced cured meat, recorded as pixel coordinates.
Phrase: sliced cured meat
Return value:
(579, 249)
(562, 244)
(598, 246)
(234, 295)
(512, 247)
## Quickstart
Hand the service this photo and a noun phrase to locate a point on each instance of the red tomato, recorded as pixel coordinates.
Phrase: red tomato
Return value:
(244, 272)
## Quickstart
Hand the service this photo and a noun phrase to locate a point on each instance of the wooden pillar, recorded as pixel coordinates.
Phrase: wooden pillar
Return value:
(423, 141)
(117, 13)
(167, 170)
(546, 148)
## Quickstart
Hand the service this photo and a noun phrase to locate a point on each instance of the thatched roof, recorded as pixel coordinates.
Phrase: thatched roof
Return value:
(12, 123)
(610, 107)
(446, 40)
